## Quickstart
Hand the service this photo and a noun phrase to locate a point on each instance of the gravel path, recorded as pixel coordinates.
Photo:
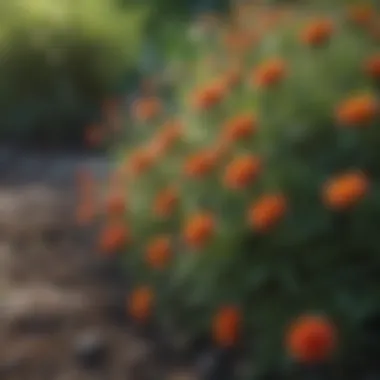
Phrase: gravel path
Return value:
(61, 315)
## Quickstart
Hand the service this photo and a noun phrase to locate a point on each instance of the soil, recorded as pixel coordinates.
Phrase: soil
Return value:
(61, 306)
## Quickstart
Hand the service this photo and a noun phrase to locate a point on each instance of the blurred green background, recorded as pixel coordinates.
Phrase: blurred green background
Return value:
(60, 60)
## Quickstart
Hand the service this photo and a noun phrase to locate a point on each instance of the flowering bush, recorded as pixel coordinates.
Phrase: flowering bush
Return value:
(252, 204)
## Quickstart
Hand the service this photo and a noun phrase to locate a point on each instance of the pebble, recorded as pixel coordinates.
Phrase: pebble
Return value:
(91, 350)
(141, 361)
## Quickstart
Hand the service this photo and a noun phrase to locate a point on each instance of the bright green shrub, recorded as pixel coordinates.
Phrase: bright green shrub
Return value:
(61, 57)
(266, 183)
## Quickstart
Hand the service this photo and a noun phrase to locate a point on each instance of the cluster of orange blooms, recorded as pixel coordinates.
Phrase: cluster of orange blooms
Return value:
(309, 338)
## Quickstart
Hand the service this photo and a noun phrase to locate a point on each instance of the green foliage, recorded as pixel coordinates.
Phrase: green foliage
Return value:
(316, 258)
(63, 55)
(172, 10)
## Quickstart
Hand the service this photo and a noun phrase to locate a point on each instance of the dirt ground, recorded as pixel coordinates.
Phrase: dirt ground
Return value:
(61, 308)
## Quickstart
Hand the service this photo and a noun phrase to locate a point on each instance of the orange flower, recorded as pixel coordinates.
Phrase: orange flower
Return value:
(113, 237)
(267, 211)
(115, 205)
(240, 127)
(344, 191)
(311, 339)
(357, 111)
(269, 73)
(200, 164)
(209, 96)
(94, 135)
(146, 109)
(226, 326)
(199, 229)
(140, 302)
(140, 161)
(166, 202)
(372, 66)
(317, 32)
(241, 172)
(361, 14)
(158, 252)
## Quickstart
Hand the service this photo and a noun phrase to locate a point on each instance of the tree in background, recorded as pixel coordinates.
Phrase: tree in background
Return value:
(59, 58)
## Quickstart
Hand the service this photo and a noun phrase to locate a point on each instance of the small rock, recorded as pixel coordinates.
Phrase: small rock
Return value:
(91, 350)
(139, 350)
(140, 359)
